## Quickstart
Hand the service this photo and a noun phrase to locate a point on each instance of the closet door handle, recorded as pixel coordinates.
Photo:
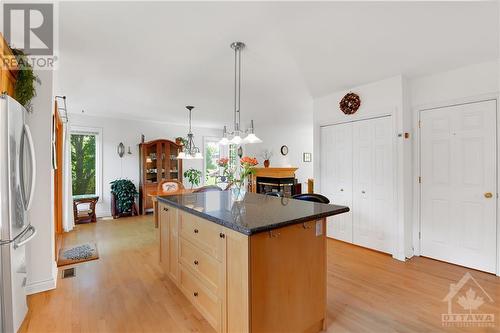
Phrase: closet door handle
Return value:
(341, 190)
(363, 192)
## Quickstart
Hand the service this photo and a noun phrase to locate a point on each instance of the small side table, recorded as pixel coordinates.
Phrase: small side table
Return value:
(87, 215)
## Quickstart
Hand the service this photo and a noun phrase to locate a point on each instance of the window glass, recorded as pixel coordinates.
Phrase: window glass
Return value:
(83, 163)
(212, 155)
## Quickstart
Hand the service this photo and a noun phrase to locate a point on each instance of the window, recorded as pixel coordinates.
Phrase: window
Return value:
(85, 161)
(213, 152)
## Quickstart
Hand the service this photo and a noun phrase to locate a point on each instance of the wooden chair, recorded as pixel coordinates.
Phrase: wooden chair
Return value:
(169, 185)
(208, 188)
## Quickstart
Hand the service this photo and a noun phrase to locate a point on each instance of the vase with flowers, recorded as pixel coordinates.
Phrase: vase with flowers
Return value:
(246, 169)
(226, 174)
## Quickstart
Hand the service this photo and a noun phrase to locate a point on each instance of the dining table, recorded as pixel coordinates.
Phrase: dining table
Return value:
(154, 198)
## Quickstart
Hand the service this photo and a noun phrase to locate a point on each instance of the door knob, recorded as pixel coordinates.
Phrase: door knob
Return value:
(488, 195)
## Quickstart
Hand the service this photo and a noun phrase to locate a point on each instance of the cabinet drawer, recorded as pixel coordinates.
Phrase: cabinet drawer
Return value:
(206, 235)
(205, 267)
(208, 304)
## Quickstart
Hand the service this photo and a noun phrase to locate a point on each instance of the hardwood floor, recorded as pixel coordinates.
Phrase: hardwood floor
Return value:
(126, 291)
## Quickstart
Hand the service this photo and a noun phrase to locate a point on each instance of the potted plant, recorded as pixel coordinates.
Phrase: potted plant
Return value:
(181, 141)
(266, 156)
(193, 176)
(123, 198)
(24, 90)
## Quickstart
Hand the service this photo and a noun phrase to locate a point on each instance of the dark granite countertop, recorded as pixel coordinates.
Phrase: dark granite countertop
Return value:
(255, 213)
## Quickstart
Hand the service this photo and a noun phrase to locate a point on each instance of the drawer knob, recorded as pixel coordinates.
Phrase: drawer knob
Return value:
(195, 294)
(196, 262)
(221, 235)
(195, 231)
(165, 209)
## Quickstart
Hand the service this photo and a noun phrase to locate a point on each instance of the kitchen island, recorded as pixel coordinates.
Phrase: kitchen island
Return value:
(256, 265)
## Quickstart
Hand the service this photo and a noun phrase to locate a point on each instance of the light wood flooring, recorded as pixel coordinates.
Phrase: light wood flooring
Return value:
(126, 291)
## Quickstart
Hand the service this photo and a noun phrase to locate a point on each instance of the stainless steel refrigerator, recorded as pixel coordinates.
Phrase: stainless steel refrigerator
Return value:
(17, 186)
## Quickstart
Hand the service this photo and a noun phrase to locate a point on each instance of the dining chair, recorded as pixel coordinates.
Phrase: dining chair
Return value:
(170, 185)
(313, 197)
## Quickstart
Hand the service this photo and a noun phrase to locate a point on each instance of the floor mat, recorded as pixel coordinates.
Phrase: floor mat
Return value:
(78, 253)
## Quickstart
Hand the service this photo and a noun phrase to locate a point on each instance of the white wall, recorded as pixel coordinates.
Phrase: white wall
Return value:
(129, 132)
(40, 258)
(297, 136)
(453, 86)
(379, 98)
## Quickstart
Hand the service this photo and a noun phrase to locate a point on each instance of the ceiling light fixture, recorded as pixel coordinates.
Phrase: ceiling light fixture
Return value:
(236, 134)
(190, 151)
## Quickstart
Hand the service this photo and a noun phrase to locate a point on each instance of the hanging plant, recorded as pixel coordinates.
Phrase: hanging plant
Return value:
(125, 192)
(25, 84)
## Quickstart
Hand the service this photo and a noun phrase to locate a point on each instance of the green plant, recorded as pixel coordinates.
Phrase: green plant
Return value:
(193, 176)
(25, 84)
(183, 141)
(124, 191)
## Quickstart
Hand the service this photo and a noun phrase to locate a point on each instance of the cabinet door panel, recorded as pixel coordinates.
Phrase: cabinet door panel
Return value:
(336, 176)
(164, 222)
(373, 184)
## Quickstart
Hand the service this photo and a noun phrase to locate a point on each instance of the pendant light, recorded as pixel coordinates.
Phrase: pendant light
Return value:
(190, 151)
(237, 133)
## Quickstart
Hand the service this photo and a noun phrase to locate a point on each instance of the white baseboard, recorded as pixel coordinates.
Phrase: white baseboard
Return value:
(44, 285)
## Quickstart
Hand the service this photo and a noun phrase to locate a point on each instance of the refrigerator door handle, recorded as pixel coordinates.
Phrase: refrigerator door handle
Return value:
(31, 231)
(33, 165)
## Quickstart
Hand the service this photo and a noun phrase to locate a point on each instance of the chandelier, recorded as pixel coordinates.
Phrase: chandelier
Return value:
(190, 151)
(235, 136)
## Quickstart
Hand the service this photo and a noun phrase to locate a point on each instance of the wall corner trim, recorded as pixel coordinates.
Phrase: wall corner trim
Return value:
(44, 285)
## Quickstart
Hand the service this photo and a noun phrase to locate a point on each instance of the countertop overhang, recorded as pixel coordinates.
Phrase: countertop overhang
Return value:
(255, 213)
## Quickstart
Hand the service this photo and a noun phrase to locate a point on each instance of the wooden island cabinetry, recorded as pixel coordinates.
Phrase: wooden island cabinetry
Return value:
(265, 279)
(158, 161)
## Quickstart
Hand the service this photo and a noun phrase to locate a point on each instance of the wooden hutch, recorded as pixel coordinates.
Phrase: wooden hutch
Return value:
(158, 161)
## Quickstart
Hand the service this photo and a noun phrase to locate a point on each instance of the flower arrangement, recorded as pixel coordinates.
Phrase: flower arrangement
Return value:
(247, 163)
(236, 176)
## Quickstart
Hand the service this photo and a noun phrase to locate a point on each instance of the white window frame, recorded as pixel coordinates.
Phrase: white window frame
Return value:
(97, 131)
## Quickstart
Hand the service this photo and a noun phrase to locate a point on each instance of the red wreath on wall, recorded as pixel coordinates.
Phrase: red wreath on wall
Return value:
(350, 103)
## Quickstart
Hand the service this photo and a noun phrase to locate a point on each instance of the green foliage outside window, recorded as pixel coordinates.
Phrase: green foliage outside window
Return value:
(211, 168)
(83, 163)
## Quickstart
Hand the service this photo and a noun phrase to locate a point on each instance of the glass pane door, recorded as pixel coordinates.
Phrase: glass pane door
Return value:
(151, 164)
(164, 161)
(174, 162)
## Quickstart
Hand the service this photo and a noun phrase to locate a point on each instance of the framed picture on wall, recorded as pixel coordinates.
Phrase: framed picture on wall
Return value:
(307, 157)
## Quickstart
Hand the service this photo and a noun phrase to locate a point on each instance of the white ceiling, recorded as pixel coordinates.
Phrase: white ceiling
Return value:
(149, 60)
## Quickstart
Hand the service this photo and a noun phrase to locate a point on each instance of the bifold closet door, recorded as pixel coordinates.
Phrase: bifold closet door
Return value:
(336, 176)
(373, 183)
(458, 159)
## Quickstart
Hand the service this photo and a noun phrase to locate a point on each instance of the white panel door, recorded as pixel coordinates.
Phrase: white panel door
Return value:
(336, 176)
(373, 191)
(458, 170)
